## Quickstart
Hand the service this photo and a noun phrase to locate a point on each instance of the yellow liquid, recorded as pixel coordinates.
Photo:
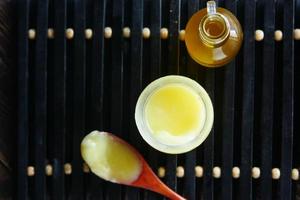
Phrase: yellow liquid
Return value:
(109, 158)
(213, 56)
(175, 113)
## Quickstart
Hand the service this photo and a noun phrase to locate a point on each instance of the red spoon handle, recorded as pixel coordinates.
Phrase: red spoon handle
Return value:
(150, 181)
(166, 191)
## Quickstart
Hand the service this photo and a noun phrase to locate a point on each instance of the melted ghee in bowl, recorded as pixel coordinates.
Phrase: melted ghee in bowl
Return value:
(175, 114)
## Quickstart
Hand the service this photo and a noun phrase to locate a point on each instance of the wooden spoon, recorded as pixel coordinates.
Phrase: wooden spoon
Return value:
(113, 159)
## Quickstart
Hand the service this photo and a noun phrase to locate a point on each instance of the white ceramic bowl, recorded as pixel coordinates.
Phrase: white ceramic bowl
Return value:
(146, 132)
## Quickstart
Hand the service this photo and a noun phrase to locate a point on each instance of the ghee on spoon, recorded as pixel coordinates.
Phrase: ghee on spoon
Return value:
(112, 159)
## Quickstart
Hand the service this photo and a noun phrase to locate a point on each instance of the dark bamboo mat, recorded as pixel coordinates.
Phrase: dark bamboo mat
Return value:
(78, 71)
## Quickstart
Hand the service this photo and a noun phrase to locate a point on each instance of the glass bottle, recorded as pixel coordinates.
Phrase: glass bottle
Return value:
(213, 36)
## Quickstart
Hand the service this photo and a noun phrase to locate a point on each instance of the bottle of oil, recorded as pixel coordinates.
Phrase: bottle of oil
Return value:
(213, 36)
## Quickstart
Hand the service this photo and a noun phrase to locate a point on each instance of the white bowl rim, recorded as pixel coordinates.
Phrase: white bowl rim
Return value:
(146, 133)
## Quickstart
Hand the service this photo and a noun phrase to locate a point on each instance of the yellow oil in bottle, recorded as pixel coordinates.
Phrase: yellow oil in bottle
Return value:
(109, 158)
(175, 114)
(213, 38)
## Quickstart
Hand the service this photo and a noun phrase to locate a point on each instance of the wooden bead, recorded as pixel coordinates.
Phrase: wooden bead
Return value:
(259, 35)
(275, 173)
(88, 33)
(50, 33)
(49, 170)
(216, 172)
(146, 33)
(164, 33)
(85, 168)
(297, 34)
(126, 32)
(30, 171)
(69, 33)
(199, 171)
(31, 34)
(107, 32)
(180, 172)
(236, 172)
(182, 35)
(278, 35)
(161, 172)
(68, 168)
(255, 172)
(295, 174)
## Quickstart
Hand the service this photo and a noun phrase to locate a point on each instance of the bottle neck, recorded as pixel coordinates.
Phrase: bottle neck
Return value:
(214, 30)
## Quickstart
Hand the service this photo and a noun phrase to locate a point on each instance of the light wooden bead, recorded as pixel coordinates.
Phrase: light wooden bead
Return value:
(69, 33)
(295, 174)
(297, 34)
(31, 34)
(259, 35)
(107, 32)
(182, 35)
(275, 173)
(164, 33)
(85, 168)
(49, 170)
(88, 33)
(236, 172)
(126, 32)
(50, 33)
(255, 172)
(278, 35)
(30, 171)
(216, 172)
(180, 172)
(199, 171)
(146, 33)
(68, 168)
(161, 172)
